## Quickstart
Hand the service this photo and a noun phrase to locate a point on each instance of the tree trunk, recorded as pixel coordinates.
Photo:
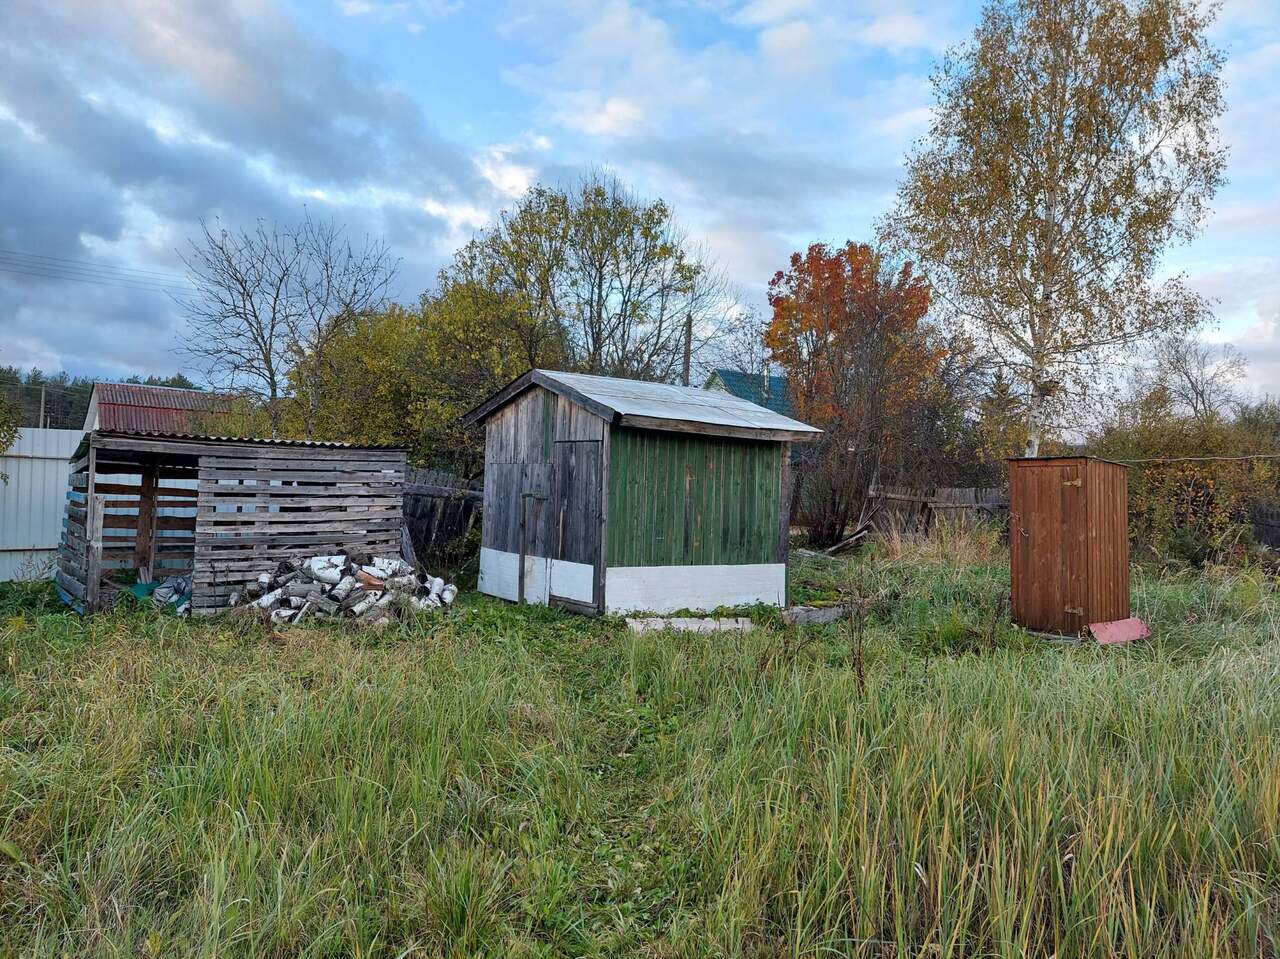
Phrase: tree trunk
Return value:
(1035, 413)
(273, 413)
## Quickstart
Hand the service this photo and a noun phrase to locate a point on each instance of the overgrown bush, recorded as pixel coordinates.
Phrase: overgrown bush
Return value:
(1193, 511)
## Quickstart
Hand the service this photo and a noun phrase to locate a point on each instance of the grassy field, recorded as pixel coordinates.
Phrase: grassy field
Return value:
(520, 782)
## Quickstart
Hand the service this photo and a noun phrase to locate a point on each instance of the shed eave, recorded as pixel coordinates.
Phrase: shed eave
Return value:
(781, 430)
(718, 429)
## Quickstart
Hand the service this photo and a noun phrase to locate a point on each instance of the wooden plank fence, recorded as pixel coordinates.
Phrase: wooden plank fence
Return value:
(912, 509)
(439, 508)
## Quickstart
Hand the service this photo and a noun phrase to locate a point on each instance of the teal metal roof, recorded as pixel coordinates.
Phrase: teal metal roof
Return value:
(771, 392)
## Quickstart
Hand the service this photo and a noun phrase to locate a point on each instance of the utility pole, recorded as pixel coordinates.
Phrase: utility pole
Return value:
(688, 346)
(40, 421)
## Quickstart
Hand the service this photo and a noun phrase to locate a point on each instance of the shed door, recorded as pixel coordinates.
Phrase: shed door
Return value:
(1047, 533)
(576, 504)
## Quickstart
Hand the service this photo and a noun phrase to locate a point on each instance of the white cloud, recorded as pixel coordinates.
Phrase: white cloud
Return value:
(792, 48)
(612, 117)
(765, 12)
(902, 31)
(501, 165)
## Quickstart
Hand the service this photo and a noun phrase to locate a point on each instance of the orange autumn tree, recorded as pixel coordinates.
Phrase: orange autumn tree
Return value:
(849, 331)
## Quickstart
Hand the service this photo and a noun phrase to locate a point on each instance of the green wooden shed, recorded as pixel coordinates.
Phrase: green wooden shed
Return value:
(608, 495)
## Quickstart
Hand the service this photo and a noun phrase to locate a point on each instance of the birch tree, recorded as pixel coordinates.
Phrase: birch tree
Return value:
(1072, 143)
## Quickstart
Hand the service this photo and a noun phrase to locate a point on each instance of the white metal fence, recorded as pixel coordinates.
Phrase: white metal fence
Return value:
(33, 501)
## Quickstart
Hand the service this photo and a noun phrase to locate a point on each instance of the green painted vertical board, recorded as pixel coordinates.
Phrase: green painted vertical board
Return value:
(681, 499)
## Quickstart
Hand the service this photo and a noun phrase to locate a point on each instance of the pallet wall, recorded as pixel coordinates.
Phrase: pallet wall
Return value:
(259, 505)
(107, 526)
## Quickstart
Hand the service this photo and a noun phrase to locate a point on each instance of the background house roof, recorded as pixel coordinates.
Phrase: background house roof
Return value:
(771, 392)
(656, 406)
(132, 407)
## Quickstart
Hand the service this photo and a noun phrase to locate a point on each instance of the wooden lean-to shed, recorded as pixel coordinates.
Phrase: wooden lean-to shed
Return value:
(612, 495)
(220, 509)
(1068, 542)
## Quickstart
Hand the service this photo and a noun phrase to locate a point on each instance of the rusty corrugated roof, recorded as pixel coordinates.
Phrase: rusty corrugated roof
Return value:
(133, 407)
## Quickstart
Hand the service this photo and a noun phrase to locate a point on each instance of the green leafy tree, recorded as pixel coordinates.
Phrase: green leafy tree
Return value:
(406, 376)
(1073, 141)
(9, 426)
(600, 278)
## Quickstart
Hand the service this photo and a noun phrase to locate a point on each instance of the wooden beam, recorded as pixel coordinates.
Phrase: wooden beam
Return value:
(447, 492)
(93, 557)
(143, 547)
(195, 448)
(478, 414)
(602, 557)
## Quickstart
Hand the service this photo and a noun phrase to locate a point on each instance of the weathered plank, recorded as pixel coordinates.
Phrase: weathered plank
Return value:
(72, 586)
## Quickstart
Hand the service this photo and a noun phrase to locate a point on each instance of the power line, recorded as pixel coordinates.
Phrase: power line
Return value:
(1155, 461)
(90, 265)
(42, 266)
(5, 267)
(40, 386)
(105, 273)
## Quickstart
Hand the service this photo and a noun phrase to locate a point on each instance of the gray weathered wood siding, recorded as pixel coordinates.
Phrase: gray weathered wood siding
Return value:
(543, 469)
(259, 505)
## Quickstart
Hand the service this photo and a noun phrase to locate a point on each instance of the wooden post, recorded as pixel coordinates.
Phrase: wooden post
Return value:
(784, 522)
(93, 559)
(92, 533)
(144, 538)
(524, 511)
(602, 565)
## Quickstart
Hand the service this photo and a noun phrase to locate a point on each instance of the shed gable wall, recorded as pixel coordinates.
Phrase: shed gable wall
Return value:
(548, 446)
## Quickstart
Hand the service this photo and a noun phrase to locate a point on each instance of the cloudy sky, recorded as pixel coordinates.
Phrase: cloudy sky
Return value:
(766, 123)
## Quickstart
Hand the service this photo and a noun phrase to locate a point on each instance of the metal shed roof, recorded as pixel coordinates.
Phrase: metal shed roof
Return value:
(178, 443)
(655, 406)
(772, 392)
(137, 407)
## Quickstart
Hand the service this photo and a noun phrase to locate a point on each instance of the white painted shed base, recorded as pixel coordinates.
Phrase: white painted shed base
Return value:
(542, 577)
(629, 589)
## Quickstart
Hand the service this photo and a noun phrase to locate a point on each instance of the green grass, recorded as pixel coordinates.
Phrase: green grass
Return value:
(520, 782)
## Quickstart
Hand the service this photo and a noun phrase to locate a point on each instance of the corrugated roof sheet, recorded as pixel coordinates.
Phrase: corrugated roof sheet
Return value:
(165, 397)
(134, 407)
(256, 440)
(676, 403)
(771, 392)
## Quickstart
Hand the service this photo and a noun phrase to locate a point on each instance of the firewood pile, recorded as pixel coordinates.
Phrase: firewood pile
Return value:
(360, 587)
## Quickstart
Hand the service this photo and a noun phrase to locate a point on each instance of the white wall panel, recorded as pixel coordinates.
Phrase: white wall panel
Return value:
(33, 502)
(665, 589)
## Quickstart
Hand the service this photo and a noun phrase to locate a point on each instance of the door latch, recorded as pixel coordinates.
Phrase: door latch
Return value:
(1075, 610)
(1074, 482)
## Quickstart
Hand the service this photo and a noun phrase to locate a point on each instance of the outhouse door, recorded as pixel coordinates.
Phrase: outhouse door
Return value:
(1048, 545)
(577, 501)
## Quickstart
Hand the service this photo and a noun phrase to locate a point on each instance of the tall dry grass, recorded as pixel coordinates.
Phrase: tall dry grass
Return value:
(520, 782)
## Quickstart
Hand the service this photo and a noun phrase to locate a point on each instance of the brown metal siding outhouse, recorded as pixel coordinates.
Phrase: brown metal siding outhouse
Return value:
(1068, 542)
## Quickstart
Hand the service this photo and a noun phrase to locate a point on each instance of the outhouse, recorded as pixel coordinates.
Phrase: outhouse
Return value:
(613, 495)
(1068, 542)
